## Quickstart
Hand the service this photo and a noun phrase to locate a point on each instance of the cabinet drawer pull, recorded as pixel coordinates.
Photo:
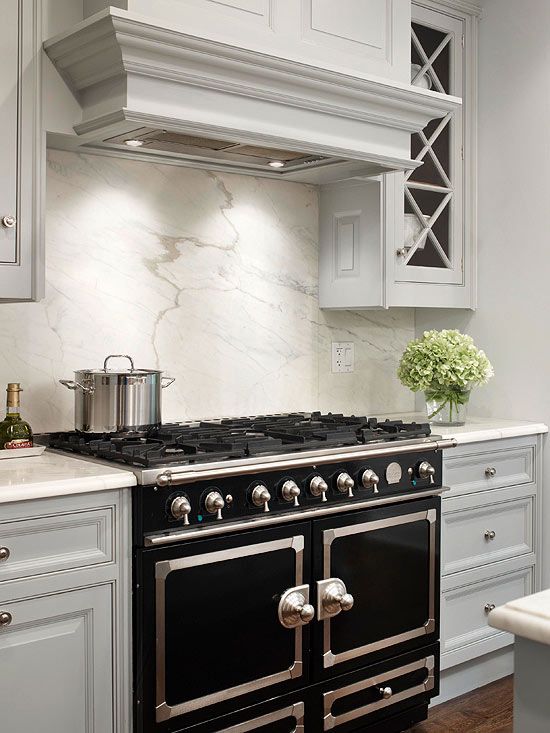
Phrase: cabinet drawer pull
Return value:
(490, 534)
(490, 471)
(5, 618)
(4, 553)
(385, 692)
(489, 607)
(9, 221)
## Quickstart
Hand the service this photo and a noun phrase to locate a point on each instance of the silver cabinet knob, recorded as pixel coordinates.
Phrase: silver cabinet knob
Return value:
(490, 471)
(214, 503)
(401, 252)
(294, 609)
(385, 692)
(261, 497)
(180, 508)
(5, 618)
(370, 480)
(489, 607)
(4, 553)
(426, 470)
(490, 534)
(9, 221)
(291, 491)
(333, 598)
(318, 487)
(345, 483)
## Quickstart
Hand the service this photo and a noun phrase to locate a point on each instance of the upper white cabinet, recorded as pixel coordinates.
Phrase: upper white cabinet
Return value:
(21, 152)
(425, 218)
(358, 37)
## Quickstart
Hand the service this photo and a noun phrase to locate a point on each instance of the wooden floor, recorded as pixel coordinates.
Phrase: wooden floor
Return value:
(487, 710)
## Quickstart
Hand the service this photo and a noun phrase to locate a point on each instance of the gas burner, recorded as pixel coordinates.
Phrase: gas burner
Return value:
(230, 438)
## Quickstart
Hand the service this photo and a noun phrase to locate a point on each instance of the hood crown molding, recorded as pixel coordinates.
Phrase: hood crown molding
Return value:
(122, 68)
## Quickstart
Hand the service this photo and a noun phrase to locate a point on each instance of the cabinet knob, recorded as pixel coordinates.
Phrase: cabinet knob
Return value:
(401, 252)
(490, 472)
(385, 692)
(9, 221)
(490, 534)
(5, 618)
(489, 607)
(4, 553)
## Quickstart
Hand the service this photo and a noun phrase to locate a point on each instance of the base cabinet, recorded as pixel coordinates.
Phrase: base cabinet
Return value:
(56, 655)
(65, 632)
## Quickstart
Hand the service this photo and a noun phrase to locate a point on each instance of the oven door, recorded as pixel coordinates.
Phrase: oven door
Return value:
(377, 589)
(223, 623)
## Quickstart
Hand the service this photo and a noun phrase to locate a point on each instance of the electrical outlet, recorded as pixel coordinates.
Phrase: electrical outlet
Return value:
(343, 356)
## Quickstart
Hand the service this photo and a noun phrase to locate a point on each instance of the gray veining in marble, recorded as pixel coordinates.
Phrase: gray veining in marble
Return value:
(211, 277)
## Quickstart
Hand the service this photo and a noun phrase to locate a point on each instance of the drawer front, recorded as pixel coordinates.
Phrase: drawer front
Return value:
(464, 611)
(494, 532)
(492, 470)
(42, 545)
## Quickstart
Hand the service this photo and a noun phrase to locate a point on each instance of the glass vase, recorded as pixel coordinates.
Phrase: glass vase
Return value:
(447, 406)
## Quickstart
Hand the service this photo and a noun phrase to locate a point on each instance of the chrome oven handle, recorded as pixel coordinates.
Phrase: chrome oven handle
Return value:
(333, 598)
(294, 609)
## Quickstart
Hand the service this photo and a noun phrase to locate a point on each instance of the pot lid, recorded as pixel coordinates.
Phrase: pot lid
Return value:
(129, 372)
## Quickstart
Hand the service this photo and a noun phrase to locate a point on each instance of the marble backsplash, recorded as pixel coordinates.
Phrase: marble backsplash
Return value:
(210, 277)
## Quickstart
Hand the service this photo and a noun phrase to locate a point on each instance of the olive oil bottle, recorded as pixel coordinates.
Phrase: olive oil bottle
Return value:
(14, 431)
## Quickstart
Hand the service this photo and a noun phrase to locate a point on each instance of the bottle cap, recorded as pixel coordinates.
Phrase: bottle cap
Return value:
(14, 387)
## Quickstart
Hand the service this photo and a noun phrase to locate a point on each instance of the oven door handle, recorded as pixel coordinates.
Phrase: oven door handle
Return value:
(332, 598)
(294, 607)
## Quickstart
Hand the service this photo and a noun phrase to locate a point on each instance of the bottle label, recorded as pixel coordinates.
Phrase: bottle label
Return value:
(21, 443)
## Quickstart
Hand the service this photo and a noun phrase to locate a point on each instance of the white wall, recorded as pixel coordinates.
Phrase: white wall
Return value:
(212, 278)
(512, 322)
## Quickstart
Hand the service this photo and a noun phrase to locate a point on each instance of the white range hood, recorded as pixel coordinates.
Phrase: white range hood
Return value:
(160, 93)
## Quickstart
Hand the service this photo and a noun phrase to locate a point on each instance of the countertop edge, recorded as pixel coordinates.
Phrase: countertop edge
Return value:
(522, 621)
(66, 487)
(482, 435)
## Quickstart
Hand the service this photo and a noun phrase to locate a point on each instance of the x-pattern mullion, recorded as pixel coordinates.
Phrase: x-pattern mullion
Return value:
(427, 63)
(427, 228)
(428, 143)
(436, 162)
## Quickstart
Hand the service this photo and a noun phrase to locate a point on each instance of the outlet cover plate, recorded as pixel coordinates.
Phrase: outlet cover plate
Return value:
(343, 357)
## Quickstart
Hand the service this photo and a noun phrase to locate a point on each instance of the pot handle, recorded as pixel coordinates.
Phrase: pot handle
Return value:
(170, 381)
(71, 384)
(118, 356)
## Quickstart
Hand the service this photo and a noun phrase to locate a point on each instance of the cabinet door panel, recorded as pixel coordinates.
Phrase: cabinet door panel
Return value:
(9, 110)
(56, 655)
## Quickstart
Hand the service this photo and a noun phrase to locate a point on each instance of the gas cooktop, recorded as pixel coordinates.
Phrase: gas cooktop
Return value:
(207, 441)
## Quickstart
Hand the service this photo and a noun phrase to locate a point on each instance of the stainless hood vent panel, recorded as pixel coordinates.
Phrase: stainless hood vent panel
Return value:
(195, 101)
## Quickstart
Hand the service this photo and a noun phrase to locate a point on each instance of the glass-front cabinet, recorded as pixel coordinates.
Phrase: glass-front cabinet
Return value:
(407, 239)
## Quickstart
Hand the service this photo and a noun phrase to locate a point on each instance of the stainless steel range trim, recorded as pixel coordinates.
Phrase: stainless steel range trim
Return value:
(295, 711)
(182, 535)
(163, 569)
(282, 461)
(329, 658)
(331, 721)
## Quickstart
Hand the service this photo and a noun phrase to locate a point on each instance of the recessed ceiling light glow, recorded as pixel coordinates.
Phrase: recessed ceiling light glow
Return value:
(276, 164)
(134, 143)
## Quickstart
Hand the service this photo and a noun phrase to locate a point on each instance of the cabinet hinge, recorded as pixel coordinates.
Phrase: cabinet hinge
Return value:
(462, 152)
(463, 41)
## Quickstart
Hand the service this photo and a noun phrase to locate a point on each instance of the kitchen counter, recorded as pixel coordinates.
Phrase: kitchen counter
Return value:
(53, 474)
(527, 617)
(478, 429)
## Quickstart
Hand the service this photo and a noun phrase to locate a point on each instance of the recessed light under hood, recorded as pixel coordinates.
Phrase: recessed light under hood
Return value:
(153, 92)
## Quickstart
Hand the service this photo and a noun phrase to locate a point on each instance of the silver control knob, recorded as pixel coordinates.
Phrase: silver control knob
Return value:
(426, 470)
(261, 497)
(370, 480)
(345, 483)
(9, 221)
(318, 487)
(214, 503)
(385, 692)
(180, 508)
(291, 491)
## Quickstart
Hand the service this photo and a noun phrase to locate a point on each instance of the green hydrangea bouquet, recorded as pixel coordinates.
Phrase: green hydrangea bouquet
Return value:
(445, 365)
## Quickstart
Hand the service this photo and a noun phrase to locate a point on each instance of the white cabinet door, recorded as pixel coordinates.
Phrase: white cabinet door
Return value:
(20, 152)
(56, 656)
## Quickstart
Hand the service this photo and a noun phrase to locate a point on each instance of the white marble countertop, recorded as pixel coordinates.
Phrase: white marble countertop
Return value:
(478, 429)
(53, 474)
(528, 617)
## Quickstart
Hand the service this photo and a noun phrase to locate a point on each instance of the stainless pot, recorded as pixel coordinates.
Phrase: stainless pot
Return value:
(117, 401)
